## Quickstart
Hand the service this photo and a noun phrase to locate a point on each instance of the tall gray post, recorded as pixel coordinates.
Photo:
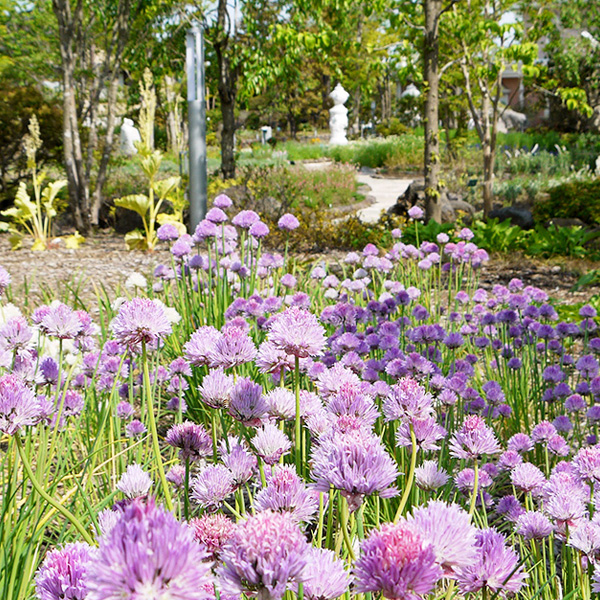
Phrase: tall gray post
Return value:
(197, 124)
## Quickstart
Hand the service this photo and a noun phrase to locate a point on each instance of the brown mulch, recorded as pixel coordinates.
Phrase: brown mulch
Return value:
(105, 261)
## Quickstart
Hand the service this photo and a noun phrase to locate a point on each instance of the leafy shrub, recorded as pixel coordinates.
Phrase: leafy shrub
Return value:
(560, 241)
(392, 126)
(496, 236)
(17, 105)
(395, 152)
(577, 199)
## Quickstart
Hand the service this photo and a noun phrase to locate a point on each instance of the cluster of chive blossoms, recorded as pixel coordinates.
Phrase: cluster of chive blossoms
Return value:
(310, 431)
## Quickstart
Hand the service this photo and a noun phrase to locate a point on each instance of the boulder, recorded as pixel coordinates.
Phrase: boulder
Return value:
(518, 214)
(414, 195)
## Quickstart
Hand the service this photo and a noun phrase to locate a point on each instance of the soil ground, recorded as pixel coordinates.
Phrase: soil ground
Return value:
(104, 261)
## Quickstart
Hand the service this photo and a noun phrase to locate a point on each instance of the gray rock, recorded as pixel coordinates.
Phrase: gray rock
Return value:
(517, 214)
(558, 222)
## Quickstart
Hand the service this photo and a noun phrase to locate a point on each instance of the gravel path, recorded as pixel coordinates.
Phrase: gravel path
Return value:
(385, 192)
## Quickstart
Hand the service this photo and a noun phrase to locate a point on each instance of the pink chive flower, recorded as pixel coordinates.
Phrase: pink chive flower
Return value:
(63, 573)
(397, 562)
(222, 201)
(408, 400)
(287, 492)
(19, 406)
(4, 280)
(324, 576)
(429, 477)
(448, 528)
(141, 321)
(298, 332)
(266, 555)
(211, 532)
(134, 482)
(271, 443)
(474, 439)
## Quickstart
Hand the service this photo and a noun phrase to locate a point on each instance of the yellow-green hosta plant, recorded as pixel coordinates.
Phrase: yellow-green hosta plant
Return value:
(148, 206)
(33, 215)
(161, 191)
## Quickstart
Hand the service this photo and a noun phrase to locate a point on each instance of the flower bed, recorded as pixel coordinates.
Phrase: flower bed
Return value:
(241, 426)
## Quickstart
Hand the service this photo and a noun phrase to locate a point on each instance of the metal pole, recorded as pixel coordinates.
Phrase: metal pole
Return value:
(197, 125)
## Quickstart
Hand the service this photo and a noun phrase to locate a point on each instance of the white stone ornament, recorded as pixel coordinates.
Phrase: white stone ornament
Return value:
(129, 136)
(338, 116)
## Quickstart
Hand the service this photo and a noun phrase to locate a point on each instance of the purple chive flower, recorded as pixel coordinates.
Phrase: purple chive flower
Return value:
(415, 213)
(534, 525)
(542, 432)
(192, 439)
(265, 555)
(351, 399)
(396, 561)
(474, 439)
(167, 233)
(356, 463)
(271, 443)
(135, 429)
(429, 477)
(19, 406)
(288, 281)
(288, 222)
(233, 348)
(176, 475)
(586, 538)
(211, 487)
(212, 532)
(558, 446)
(216, 215)
(148, 554)
(48, 371)
(4, 280)
(509, 460)
(63, 573)
(200, 345)
(134, 482)
(520, 442)
(238, 460)
(222, 201)
(141, 321)
(245, 219)
(259, 230)
(324, 576)
(510, 507)
(286, 492)
(298, 332)
(408, 400)
(60, 321)
(565, 499)
(216, 387)
(496, 567)
(427, 433)
(447, 527)
(246, 403)
(527, 477)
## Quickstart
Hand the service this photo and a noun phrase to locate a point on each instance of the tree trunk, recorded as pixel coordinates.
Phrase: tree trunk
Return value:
(433, 203)
(68, 27)
(111, 121)
(227, 90)
(488, 154)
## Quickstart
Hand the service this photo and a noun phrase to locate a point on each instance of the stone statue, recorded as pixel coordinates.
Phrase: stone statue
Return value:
(338, 116)
(129, 136)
